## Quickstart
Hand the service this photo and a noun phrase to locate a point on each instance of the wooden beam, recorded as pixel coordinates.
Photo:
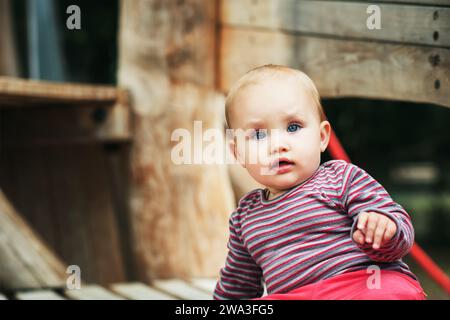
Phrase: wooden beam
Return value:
(412, 24)
(40, 113)
(28, 93)
(26, 262)
(343, 68)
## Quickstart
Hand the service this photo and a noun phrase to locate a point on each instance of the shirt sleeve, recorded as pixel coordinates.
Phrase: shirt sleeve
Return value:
(362, 193)
(241, 277)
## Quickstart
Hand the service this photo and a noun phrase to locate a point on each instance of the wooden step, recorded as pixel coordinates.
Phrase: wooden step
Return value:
(206, 284)
(39, 295)
(181, 289)
(140, 291)
(162, 289)
(92, 292)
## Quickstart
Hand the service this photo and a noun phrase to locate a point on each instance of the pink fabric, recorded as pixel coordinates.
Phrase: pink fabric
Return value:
(353, 286)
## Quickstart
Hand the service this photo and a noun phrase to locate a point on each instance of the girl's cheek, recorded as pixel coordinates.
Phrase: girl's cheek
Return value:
(256, 153)
(251, 153)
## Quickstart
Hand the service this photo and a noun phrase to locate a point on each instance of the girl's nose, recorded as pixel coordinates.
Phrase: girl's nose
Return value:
(280, 149)
(278, 144)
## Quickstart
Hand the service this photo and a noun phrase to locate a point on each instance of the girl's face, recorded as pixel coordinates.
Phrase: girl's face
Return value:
(280, 122)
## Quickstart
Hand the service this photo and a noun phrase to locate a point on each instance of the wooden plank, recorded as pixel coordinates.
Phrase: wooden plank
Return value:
(181, 289)
(139, 291)
(13, 91)
(206, 284)
(91, 292)
(26, 261)
(343, 68)
(424, 25)
(39, 295)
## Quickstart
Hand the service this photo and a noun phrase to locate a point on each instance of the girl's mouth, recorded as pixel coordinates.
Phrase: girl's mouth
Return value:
(282, 165)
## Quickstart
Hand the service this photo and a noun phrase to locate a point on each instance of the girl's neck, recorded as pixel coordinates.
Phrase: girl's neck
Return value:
(271, 195)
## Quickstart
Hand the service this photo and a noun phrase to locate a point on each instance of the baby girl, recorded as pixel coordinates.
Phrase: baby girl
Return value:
(317, 231)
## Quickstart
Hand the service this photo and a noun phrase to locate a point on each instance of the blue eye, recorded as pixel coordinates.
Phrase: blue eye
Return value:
(259, 134)
(293, 127)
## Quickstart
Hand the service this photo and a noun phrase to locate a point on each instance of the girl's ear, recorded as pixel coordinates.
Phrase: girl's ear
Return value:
(325, 131)
(235, 152)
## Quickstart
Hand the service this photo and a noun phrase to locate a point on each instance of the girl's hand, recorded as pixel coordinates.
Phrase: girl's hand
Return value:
(374, 228)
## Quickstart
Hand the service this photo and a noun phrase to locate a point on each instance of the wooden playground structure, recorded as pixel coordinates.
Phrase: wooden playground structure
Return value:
(85, 170)
(172, 289)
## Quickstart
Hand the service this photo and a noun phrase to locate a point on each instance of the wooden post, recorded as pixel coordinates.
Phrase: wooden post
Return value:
(179, 212)
(26, 262)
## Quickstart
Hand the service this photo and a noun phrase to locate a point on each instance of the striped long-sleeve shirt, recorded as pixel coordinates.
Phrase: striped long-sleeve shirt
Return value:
(305, 235)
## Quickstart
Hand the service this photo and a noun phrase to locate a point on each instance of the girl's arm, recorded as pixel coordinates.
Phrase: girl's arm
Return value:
(362, 194)
(241, 277)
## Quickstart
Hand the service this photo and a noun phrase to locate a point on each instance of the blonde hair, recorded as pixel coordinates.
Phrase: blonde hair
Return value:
(254, 76)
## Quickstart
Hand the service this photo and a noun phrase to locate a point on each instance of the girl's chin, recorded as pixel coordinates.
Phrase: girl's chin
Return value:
(282, 183)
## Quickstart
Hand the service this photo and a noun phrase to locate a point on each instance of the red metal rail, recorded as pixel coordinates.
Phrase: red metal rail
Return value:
(432, 269)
